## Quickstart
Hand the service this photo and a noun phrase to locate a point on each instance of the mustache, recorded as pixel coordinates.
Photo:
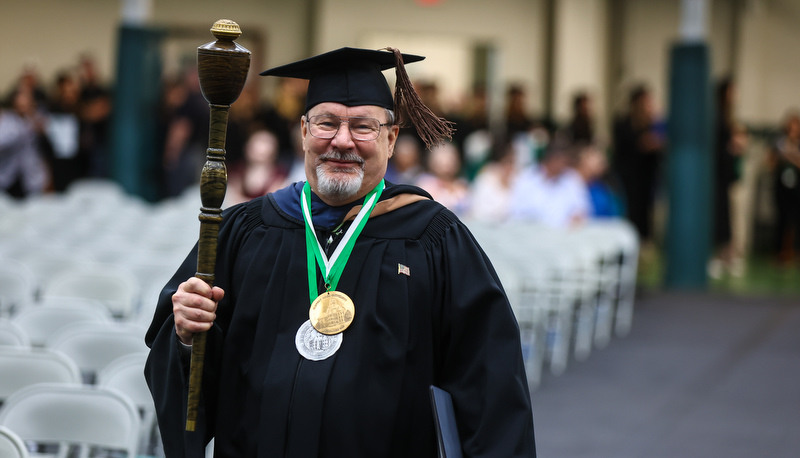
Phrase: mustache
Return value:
(341, 156)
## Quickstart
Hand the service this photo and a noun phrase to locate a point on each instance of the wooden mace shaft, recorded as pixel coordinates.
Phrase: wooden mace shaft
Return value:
(213, 181)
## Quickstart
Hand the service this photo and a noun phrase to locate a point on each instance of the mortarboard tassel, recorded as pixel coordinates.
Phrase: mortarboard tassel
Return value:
(432, 129)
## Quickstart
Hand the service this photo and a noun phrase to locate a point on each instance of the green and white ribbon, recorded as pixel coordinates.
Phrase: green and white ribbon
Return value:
(332, 268)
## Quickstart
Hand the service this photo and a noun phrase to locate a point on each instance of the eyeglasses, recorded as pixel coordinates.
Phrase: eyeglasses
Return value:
(327, 126)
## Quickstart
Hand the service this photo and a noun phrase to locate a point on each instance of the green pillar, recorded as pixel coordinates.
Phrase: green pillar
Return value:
(689, 172)
(135, 142)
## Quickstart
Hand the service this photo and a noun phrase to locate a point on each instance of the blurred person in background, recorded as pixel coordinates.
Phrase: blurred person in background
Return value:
(473, 115)
(473, 136)
(517, 119)
(784, 161)
(405, 165)
(68, 162)
(186, 135)
(581, 127)
(23, 170)
(259, 172)
(592, 166)
(490, 193)
(638, 149)
(730, 142)
(242, 123)
(29, 78)
(443, 181)
(95, 116)
(551, 193)
(297, 170)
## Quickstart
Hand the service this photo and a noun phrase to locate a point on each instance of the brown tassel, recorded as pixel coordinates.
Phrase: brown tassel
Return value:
(432, 129)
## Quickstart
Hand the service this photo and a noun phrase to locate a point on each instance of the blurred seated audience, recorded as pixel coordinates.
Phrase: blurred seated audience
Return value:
(551, 193)
(443, 181)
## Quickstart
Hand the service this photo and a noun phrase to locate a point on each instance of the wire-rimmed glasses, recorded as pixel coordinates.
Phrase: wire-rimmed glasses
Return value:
(327, 126)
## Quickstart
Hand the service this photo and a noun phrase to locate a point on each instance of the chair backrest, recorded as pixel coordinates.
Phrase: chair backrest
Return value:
(21, 367)
(17, 286)
(50, 260)
(94, 345)
(73, 414)
(11, 445)
(111, 285)
(12, 335)
(41, 322)
(126, 374)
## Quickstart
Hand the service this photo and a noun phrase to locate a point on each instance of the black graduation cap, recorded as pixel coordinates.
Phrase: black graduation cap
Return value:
(350, 76)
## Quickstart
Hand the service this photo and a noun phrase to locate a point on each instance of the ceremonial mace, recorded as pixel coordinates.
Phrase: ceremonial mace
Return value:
(222, 66)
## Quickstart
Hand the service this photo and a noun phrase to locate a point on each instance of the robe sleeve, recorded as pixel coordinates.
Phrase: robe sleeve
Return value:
(481, 362)
(167, 372)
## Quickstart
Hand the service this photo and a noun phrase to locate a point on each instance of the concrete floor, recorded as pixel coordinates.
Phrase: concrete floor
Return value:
(699, 375)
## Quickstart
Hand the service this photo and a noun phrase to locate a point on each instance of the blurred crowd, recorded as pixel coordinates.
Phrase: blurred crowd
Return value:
(521, 168)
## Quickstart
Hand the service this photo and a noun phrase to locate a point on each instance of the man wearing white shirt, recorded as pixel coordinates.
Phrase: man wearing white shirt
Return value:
(551, 193)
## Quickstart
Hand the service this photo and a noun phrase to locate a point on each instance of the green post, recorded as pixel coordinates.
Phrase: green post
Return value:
(135, 145)
(689, 172)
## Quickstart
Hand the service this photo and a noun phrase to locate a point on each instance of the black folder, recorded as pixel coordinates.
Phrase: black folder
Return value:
(445, 420)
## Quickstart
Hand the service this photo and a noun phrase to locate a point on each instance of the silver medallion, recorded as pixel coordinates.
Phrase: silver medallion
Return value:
(314, 345)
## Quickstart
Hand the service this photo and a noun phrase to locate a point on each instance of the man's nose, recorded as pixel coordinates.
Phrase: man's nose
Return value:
(343, 138)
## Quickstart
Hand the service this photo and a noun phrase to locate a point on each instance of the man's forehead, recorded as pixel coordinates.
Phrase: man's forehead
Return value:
(338, 109)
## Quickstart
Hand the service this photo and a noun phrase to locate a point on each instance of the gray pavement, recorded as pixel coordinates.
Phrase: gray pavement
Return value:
(699, 375)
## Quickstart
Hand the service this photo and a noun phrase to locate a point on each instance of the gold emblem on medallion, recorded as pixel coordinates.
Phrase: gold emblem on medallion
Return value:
(331, 312)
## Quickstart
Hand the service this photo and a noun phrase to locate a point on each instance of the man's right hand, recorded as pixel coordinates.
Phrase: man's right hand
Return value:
(194, 306)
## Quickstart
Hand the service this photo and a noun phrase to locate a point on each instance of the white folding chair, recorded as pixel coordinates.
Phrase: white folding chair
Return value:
(21, 367)
(47, 261)
(629, 240)
(11, 445)
(89, 418)
(606, 236)
(12, 335)
(111, 285)
(17, 286)
(94, 345)
(126, 375)
(41, 322)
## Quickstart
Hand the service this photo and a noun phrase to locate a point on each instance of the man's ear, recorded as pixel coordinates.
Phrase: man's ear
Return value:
(393, 133)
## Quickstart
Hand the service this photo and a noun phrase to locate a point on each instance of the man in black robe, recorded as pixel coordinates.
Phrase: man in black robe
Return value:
(429, 307)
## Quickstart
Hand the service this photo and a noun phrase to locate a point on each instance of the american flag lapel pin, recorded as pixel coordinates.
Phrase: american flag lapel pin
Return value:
(402, 269)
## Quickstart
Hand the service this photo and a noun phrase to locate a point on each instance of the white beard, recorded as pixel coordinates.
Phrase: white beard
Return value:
(346, 183)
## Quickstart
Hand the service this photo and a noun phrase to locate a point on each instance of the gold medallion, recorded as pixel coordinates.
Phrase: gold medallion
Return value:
(331, 312)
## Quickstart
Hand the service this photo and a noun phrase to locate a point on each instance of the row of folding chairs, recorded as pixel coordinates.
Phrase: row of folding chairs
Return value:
(571, 290)
(65, 420)
(27, 370)
(79, 276)
(95, 242)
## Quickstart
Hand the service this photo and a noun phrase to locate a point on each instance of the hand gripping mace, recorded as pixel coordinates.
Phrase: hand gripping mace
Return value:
(222, 66)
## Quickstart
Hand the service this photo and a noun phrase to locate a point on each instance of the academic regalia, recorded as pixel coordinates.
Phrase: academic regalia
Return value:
(430, 310)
